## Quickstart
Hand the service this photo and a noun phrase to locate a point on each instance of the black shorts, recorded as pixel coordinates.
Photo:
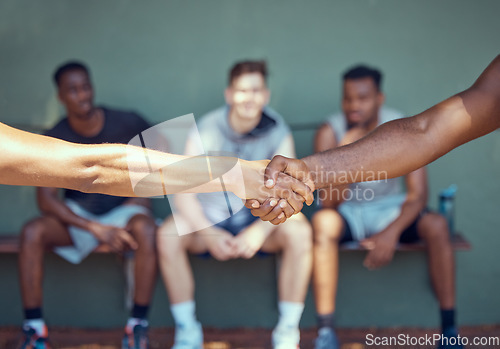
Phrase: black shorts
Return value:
(408, 236)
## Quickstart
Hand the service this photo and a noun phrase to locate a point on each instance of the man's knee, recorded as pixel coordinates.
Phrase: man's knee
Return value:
(143, 229)
(434, 229)
(298, 235)
(328, 225)
(33, 233)
(169, 243)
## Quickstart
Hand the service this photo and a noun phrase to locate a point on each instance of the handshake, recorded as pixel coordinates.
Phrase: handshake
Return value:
(288, 183)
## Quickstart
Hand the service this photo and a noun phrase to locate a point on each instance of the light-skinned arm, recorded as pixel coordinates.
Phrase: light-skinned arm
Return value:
(30, 159)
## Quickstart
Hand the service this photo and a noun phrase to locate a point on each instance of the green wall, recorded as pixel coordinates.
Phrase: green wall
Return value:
(170, 58)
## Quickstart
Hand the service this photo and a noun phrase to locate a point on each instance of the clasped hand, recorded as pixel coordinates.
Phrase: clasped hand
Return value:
(118, 239)
(224, 246)
(288, 184)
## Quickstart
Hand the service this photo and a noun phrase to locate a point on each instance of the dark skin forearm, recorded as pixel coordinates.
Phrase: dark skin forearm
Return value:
(382, 245)
(401, 146)
(50, 204)
(415, 202)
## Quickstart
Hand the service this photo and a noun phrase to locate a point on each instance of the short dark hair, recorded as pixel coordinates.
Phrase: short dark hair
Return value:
(363, 71)
(245, 67)
(67, 67)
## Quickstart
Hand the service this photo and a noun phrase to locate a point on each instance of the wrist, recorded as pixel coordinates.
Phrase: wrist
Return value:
(393, 233)
(240, 179)
(232, 178)
(93, 228)
(313, 170)
(230, 171)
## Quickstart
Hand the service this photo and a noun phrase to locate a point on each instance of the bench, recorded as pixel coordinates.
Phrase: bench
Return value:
(10, 244)
(458, 242)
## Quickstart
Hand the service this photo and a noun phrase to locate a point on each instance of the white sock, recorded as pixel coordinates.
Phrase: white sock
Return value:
(290, 314)
(184, 314)
(132, 321)
(38, 325)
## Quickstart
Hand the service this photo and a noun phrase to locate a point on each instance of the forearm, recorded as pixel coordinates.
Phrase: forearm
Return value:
(387, 152)
(112, 168)
(410, 210)
(30, 159)
(58, 209)
(121, 170)
(157, 173)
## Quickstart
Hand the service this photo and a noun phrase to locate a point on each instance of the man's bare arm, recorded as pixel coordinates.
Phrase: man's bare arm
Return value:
(30, 159)
(401, 146)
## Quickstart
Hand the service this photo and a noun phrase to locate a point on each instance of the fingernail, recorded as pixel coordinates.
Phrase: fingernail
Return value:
(255, 205)
(281, 215)
(283, 204)
(269, 183)
(273, 203)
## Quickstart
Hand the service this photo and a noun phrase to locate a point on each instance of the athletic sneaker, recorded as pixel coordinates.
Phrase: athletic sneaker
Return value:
(136, 337)
(188, 337)
(451, 340)
(327, 339)
(33, 341)
(286, 338)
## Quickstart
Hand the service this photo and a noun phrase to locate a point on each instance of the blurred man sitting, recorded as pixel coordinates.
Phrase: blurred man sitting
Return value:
(77, 223)
(250, 130)
(377, 214)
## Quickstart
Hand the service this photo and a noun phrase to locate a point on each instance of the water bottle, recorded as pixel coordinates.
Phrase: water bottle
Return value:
(447, 206)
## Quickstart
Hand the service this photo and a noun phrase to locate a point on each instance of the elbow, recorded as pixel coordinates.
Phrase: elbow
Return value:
(422, 125)
(44, 207)
(427, 135)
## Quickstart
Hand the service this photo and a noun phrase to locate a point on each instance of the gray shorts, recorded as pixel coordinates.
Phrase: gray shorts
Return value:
(366, 219)
(83, 241)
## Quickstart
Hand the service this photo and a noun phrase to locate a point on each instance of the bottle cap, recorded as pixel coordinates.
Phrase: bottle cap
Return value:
(449, 192)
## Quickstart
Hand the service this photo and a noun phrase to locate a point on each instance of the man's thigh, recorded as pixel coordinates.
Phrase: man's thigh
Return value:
(53, 232)
(84, 242)
(121, 215)
(194, 242)
(276, 240)
(413, 232)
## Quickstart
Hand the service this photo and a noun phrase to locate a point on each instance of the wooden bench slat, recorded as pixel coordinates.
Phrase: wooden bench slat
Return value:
(10, 244)
(457, 241)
